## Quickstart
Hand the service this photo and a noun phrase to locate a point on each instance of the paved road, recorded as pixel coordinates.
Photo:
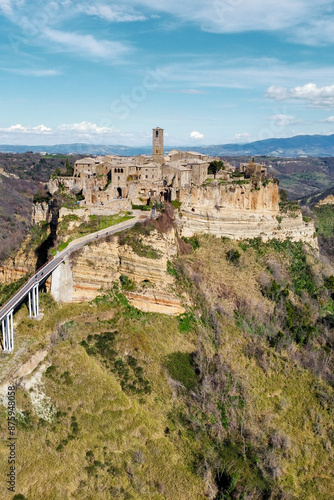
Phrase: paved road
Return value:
(50, 266)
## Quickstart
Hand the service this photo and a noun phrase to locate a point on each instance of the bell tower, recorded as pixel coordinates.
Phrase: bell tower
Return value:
(158, 145)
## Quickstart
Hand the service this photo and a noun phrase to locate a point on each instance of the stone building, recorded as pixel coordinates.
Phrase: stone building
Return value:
(251, 168)
(105, 179)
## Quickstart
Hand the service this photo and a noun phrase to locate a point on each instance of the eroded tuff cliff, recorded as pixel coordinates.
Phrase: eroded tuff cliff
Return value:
(40, 213)
(96, 267)
(21, 264)
(240, 212)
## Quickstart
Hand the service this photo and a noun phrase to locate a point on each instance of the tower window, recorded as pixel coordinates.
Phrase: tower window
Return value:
(157, 133)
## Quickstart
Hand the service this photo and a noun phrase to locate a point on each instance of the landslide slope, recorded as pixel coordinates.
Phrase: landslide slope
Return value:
(233, 399)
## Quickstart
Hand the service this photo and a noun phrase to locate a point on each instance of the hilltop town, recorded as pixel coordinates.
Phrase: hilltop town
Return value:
(212, 196)
(146, 179)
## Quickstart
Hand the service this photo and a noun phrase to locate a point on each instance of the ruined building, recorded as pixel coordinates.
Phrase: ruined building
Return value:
(105, 179)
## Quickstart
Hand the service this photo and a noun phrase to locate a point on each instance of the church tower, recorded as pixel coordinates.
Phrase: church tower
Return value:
(158, 145)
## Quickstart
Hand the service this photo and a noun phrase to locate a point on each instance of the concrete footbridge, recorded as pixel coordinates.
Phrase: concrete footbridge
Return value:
(31, 288)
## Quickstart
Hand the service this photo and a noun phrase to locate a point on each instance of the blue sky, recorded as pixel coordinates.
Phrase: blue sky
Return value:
(208, 72)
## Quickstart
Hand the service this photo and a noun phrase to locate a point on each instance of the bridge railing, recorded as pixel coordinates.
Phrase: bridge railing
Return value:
(74, 242)
(24, 284)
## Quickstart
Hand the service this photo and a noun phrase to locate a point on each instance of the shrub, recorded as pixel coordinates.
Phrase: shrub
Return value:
(186, 322)
(193, 241)
(127, 369)
(181, 368)
(127, 283)
(233, 256)
(145, 208)
(176, 204)
(171, 269)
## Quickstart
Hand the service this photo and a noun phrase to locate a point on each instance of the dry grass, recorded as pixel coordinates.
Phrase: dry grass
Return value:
(125, 433)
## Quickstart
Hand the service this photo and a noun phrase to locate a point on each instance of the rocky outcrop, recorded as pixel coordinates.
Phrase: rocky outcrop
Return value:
(241, 212)
(155, 301)
(40, 213)
(23, 263)
(231, 196)
(96, 267)
(329, 200)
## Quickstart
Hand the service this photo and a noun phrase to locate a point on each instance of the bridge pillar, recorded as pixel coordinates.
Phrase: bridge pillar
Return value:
(33, 298)
(7, 325)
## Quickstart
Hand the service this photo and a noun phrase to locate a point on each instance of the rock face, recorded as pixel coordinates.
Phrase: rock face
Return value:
(22, 263)
(40, 213)
(240, 212)
(329, 200)
(231, 197)
(97, 266)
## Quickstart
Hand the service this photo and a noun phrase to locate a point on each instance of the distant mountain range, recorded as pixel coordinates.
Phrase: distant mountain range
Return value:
(300, 145)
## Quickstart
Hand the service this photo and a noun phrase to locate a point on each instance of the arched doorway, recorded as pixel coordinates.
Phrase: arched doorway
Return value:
(119, 193)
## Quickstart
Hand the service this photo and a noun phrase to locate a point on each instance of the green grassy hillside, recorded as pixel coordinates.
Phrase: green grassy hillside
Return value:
(232, 400)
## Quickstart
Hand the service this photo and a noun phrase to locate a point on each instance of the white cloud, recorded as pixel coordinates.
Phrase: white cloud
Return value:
(86, 45)
(6, 7)
(330, 119)
(85, 131)
(196, 135)
(234, 16)
(316, 32)
(203, 72)
(302, 21)
(281, 120)
(18, 128)
(316, 97)
(242, 137)
(111, 13)
(86, 128)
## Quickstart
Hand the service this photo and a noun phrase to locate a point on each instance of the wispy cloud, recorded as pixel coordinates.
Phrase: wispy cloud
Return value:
(6, 6)
(236, 16)
(111, 13)
(242, 137)
(281, 120)
(32, 72)
(204, 72)
(315, 32)
(86, 45)
(317, 97)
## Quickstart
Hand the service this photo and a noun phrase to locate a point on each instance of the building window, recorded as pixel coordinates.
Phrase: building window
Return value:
(146, 176)
(118, 177)
(157, 133)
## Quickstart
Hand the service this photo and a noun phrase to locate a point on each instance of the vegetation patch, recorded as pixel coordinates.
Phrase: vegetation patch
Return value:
(134, 238)
(180, 366)
(127, 369)
(9, 289)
